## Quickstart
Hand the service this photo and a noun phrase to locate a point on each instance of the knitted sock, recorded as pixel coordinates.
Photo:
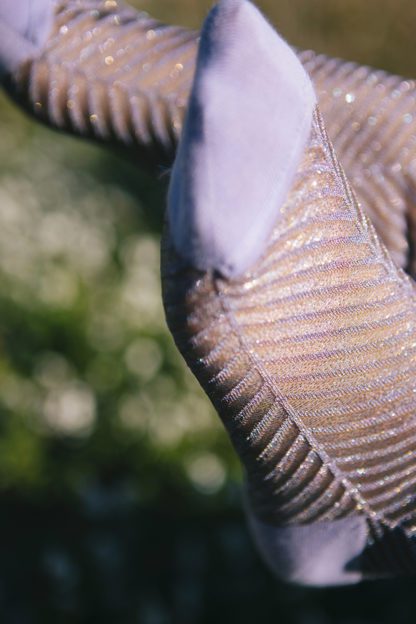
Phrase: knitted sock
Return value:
(301, 331)
(134, 93)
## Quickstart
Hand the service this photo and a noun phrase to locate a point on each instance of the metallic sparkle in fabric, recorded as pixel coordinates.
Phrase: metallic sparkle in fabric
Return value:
(114, 74)
(310, 360)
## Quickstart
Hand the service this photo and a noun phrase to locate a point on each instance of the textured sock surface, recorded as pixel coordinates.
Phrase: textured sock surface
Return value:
(114, 74)
(310, 359)
(370, 116)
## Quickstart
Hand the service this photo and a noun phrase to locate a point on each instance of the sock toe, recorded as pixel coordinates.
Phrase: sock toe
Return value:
(248, 122)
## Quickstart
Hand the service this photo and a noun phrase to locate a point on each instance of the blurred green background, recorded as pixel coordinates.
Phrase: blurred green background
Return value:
(119, 492)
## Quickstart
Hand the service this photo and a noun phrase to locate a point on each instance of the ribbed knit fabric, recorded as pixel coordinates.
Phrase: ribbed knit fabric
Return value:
(114, 74)
(310, 359)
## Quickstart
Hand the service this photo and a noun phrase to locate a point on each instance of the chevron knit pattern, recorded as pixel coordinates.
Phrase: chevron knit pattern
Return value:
(310, 361)
(371, 119)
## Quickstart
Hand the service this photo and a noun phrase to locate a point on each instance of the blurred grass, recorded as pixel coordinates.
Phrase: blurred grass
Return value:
(118, 488)
(90, 378)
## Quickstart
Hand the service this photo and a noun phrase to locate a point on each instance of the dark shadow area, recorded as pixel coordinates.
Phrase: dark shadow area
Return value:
(108, 559)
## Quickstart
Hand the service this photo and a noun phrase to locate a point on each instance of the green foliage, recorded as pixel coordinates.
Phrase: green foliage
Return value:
(88, 368)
